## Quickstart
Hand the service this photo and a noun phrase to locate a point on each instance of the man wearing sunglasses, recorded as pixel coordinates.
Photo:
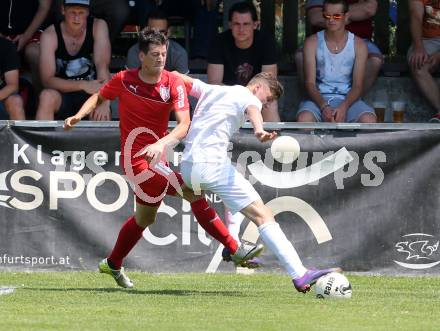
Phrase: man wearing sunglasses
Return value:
(360, 22)
(177, 57)
(334, 63)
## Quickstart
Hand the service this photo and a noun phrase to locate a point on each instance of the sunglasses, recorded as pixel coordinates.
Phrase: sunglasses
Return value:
(334, 16)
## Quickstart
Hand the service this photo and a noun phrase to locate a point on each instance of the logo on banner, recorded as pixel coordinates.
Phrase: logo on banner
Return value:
(56, 192)
(307, 175)
(80, 174)
(4, 187)
(418, 251)
(164, 92)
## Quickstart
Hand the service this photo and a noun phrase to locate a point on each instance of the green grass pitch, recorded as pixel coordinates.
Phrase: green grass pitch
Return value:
(91, 301)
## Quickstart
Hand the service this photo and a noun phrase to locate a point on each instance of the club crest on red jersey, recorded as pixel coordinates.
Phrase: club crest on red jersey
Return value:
(164, 92)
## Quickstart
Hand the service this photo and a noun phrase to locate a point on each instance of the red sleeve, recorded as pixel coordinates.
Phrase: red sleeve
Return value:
(179, 96)
(188, 87)
(112, 89)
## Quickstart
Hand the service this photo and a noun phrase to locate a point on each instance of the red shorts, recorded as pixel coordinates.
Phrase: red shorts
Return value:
(159, 181)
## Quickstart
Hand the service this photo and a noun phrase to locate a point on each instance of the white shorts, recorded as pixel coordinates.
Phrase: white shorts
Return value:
(221, 179)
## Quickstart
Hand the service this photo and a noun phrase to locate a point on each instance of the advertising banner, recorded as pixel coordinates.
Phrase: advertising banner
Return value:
(361, 200)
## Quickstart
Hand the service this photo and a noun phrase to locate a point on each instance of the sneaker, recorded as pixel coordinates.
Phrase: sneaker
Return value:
(226, 254)
(304, 283)
(250, 264)
(246, 252)
(119, 275)
(435, 119)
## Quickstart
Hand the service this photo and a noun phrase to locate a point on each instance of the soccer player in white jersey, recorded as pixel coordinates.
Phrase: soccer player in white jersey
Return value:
(220, 112)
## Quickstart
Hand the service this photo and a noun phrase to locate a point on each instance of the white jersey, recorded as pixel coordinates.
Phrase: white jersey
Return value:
(220, 112)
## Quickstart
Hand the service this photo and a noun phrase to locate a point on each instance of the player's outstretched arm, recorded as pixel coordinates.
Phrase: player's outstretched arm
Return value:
(154, 151)
(254, 115)
(94, 101)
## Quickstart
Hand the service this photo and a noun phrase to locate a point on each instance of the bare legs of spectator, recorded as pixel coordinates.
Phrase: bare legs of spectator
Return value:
(374, 64)
(32, 56)
(299, 63)
(426, 83)
(14, 107)
(50, 102)
(367, 118)
(270, 112)
(306, 116)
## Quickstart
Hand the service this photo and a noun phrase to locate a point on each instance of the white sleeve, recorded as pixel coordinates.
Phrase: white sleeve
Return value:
(198, 87)
(253, 101)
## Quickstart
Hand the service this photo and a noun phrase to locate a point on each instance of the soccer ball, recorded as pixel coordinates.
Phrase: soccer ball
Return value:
(333, 286)
(285, 149)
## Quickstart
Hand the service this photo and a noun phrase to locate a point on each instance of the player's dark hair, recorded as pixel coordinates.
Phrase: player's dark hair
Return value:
(243, 8)
(276, 88)
(149, 36)
(344, 3)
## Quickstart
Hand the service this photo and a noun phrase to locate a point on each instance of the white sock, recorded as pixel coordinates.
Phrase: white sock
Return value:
(233, 222)
(275, 239)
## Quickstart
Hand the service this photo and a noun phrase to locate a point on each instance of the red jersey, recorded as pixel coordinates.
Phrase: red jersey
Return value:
(431, 19)
(143, 105)
(362, 29)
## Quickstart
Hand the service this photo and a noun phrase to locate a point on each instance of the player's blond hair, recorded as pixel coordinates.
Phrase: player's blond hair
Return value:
(276, 88)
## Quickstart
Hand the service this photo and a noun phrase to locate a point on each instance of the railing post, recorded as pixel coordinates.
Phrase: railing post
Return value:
(381, 27)
(290, 26)
(403, 35)
(268, 16)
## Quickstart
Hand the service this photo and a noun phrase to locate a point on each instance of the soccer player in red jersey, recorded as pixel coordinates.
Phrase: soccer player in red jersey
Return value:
(147, 95)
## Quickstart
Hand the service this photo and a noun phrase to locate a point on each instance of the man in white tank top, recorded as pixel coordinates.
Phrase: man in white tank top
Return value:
(334, 68)
(220, 112)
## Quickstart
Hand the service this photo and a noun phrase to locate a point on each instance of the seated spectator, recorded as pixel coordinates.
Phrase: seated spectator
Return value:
(68, 71)
(334, 63)
(114, 12)
(360, 23)
(424, 53)
(202, 14)
(20, 22)
(241, 52)
(177, 58)
(11, 104)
